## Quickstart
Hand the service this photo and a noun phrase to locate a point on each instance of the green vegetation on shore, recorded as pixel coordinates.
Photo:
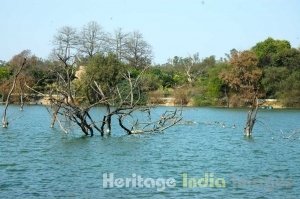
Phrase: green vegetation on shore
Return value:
(271, 69)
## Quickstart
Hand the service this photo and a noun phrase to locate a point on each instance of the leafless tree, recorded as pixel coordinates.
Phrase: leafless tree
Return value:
(118, 43)
(189, 64)
(92, 39)
(251, 118)
(65, 42)
(123, 104)
(138, 51)
(64, 55)
(18, 61)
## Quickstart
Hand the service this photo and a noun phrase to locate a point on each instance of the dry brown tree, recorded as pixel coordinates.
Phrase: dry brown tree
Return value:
(243, 78)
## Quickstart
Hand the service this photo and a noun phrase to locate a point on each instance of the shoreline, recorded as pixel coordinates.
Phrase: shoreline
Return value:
(168, 105)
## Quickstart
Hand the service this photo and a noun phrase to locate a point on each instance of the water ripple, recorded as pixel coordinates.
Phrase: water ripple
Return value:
(39, 162)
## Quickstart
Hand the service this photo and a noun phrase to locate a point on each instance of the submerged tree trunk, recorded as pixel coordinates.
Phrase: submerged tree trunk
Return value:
(21, 97)
(106, 121)
(129, 132)
(251, 118)
(4, 118)
(54, 114)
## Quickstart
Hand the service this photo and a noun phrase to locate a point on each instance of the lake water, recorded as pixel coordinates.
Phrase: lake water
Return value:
(206, 158)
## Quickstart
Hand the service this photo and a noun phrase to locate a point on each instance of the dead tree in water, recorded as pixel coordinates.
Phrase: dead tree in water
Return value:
(117, 90)
(243, 79)
(4, 117)
(120, 103)
(21, 85)
(123, 105)
(251, 118)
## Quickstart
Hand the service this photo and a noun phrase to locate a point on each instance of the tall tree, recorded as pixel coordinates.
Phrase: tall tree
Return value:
(243, 76)
(267, 49)
(244, 79)
(290, 90)
(103, 73)
(118, 43)
(289, 58)
(138, 51)
(273, 78)
(92, 39)
(65, 44)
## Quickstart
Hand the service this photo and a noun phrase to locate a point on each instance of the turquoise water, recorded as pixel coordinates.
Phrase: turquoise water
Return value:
(39, 162)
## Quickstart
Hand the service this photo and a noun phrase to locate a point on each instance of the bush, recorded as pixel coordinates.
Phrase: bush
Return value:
(181, 96)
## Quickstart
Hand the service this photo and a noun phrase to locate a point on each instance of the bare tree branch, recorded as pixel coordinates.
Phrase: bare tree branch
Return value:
(4, 118)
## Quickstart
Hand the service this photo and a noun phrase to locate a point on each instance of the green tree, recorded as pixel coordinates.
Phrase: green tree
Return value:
(290, 90)
(4, 76)
(289, 58)
(267, 49)
(106, 70)
(4, 73)
(209, 86)
(272, 79)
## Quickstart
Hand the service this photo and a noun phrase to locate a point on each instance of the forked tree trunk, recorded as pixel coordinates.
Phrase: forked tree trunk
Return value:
(251, 118)
(4, 118)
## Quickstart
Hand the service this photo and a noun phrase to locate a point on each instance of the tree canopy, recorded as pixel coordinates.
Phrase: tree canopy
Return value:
(269, 69)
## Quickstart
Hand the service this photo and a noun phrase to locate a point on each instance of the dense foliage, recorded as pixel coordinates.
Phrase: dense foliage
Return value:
(270, 70)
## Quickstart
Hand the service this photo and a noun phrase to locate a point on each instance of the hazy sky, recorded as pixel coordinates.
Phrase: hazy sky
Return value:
(172, 27)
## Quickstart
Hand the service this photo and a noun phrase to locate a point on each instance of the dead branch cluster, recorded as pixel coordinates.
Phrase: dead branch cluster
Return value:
(123, 105)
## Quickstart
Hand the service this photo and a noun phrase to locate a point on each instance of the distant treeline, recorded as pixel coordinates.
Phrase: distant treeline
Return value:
(270, 69)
